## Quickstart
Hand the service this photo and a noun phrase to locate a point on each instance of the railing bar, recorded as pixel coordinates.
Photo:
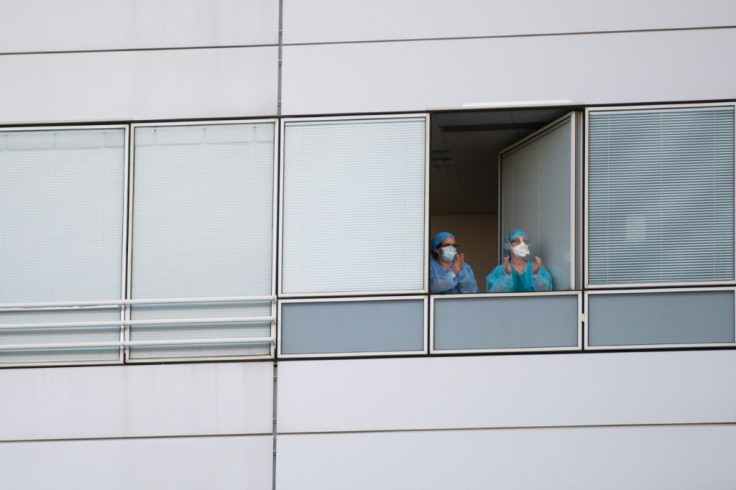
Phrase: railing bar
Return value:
(133, 302)
(139, 343)
(112, 323)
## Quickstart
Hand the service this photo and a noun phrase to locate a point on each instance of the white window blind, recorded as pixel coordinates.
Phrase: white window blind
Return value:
(61, 216)
(661, 196)
(353, 206)
(202, 227)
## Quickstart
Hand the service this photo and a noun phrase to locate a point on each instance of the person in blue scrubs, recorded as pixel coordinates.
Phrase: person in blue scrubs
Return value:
(516, 274)
(448, 272)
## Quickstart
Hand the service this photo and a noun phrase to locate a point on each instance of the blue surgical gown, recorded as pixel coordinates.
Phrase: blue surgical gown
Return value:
(500, 282)
(441, 280)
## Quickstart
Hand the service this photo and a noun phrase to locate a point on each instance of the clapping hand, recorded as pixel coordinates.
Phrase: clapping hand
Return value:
(457, 264)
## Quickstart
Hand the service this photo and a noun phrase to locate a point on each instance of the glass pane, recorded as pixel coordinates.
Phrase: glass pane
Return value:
(352, 327)
(353, 206)
(507, 322)
(536, 197)
(661, 196)
(705, 317)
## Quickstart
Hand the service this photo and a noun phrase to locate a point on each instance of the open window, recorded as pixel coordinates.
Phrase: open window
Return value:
(494, 171)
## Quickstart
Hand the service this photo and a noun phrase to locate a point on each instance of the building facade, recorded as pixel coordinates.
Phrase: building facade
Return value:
(215, 219)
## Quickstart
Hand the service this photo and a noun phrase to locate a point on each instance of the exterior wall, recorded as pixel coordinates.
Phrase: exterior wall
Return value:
(173, 426)
(537, 421)
(552, 420)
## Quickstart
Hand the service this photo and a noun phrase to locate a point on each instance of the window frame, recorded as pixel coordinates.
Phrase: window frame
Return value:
(586, 225)
(272, 298)
(425, 318)
(577, 128)
(72, 305)
(281, 154)
(643, 291)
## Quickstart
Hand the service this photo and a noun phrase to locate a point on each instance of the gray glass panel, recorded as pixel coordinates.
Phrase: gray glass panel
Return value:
(513, 322)
(352, 326)
(705, 317)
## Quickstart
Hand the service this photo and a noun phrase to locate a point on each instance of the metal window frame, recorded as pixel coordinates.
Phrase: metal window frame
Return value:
(357, 294)
(576, 123)
(642, 291)
(129, 245)
(586, 227)
(423, 352)
(123, 255)
(578, 348)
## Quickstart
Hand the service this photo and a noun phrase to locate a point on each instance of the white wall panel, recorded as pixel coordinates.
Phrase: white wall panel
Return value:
(181, 463)
(172, 84)
(129, 401)
(73, 25)
(307, 21)
(669, 458)
(591, 69)
(507, 391)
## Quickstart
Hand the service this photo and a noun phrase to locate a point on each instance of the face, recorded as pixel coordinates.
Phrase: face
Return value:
(446, 242)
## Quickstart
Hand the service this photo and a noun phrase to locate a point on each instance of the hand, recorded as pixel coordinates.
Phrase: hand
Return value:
(507, 265)
(537, 264)
(457, 264)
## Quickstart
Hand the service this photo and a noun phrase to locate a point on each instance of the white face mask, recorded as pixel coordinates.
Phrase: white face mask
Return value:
(448, 253)
(521, 250)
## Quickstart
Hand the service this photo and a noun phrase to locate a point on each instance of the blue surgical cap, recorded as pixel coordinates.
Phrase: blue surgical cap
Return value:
(513, 235)
(439, 238)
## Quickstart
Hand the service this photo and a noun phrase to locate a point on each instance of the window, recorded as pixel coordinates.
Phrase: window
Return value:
(61, 215)
(203, 231)
(660, 196)
(353, 206)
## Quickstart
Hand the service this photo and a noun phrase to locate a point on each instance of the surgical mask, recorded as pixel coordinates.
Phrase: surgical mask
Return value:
(521, 250)
(448, 253)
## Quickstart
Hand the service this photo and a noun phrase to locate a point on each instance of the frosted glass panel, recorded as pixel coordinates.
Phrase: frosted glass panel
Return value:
(661, 196)
(61, 215)
(203, 210)
(506, 322)
(691, 317)
(536, 196)
(352, 327)
(353, 206)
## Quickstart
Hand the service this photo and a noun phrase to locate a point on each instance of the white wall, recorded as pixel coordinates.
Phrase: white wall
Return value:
(84, 25)
(634, 67)
(311, 21)
(519, 421)
(167, 426)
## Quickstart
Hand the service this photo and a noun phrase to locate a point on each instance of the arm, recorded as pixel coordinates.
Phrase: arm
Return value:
(542, 280)
(440, 280)
(498, 281)
(466, 280)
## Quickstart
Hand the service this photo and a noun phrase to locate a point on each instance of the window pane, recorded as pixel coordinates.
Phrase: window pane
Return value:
(202, 228)
(346, 327)
(353, 206)
(669, 318)
(61, 216)
(536, 193)
(661, 196)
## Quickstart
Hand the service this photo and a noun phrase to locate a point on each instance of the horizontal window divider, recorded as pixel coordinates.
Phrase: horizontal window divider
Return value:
(139, 343)
(134, 302)
(174, 321)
